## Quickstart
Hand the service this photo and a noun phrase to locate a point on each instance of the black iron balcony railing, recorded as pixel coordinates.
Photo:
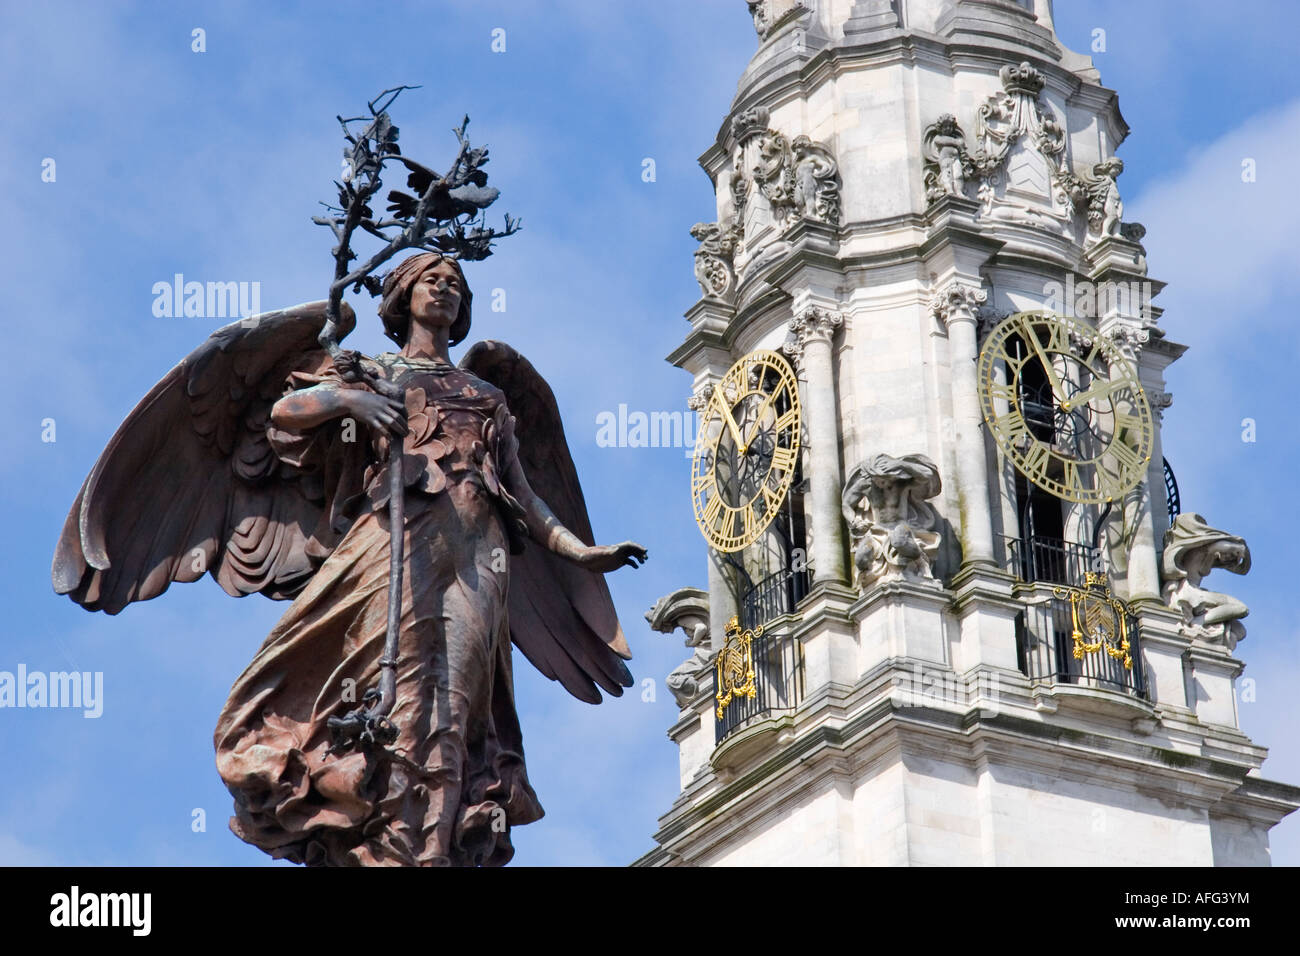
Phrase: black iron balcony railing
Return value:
(777, 657)
(778, 682)
(773, 596)
(1051, 560)
(1060, 640)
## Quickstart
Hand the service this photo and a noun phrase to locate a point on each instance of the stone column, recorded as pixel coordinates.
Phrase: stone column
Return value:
(722, 599)
(809, 346)
(956, 305)
(1142, 571)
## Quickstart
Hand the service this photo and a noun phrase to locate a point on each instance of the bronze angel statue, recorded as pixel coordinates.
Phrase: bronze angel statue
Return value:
(262, 461)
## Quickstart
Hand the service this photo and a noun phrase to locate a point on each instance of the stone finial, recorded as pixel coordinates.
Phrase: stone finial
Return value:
(1192, 550)
(891, 524)
(957, 301)
(1024, 78)
(749, 123)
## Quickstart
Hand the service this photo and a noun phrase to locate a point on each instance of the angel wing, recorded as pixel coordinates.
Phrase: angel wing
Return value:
(189, 483)
(561, 615)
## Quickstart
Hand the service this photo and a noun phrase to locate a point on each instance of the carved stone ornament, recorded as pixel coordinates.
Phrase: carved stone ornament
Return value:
(956, 301)
(1160, 400)
(700, 399)
(799, 178)
(1018, 169)
(1192, 550)
(986, 317)
(947, 162)
(688, 609)
(891, 523)
(713, 259)
(1129, 338)
(768, 15)
(812, 323)
(1097, 194)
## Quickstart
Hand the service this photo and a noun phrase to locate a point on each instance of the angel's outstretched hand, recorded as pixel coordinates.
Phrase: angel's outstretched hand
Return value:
(610, 557)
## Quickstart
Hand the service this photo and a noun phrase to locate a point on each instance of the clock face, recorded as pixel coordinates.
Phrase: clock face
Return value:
(746, 451)
(1066, 407)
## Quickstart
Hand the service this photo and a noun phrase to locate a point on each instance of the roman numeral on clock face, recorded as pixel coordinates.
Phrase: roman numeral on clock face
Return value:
(1035, 459)
(1127, 426)
(1070, 476)
(1015, 427)
(1124, 456)
(783, 458)
(772, 498)
(1053, 336)
(700, 482)
(712, 510)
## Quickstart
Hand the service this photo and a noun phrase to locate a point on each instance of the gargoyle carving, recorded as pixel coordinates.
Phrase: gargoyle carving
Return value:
(687, 608)
(1192, 550)
(891, 523)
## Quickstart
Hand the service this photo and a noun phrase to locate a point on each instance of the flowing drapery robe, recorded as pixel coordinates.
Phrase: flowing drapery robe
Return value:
(449, 789)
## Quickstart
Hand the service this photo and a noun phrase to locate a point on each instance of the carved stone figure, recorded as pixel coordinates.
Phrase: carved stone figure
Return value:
(258, 461)
(890, 520)
(1021, 155)
(800, 179)
(816, 184)
(947, 162)
(1098, 194)
(713, 268)
(1192, 550)
(688, 609)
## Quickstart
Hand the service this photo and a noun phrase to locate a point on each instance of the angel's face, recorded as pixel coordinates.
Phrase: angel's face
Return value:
(436, 295)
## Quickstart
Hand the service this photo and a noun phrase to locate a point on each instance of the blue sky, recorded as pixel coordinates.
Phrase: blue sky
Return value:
(212, 164)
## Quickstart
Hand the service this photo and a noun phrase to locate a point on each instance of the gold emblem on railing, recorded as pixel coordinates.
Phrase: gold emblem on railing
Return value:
(736, 677)
(1099, 619)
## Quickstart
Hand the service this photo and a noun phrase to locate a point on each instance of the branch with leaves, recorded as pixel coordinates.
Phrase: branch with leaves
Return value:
(446, 214)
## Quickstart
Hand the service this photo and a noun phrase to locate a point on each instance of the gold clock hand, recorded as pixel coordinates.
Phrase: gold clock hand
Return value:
(1054, 380)
(731, 423)
(1104, 388)
(758, 420)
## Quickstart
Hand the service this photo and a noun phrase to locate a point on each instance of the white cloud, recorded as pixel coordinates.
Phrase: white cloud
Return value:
(1227, 246)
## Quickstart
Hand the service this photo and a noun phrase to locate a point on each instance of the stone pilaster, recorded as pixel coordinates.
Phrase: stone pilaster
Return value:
(809, 346)
(957, 305)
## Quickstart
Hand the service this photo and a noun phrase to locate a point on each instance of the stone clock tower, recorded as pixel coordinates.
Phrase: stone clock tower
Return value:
(965, 622)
